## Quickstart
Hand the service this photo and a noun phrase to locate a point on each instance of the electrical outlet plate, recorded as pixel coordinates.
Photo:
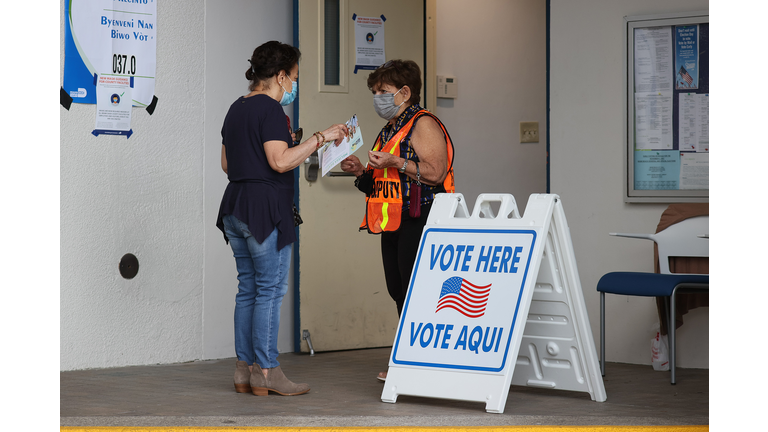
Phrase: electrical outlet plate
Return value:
(529, 132)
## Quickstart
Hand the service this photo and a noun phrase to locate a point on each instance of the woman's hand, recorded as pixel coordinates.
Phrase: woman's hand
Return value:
(352, 165)
(283, 158)
(336, 133)
(381, 160)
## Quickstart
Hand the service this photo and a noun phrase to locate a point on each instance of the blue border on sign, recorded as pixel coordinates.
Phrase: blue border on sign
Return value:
(514, 317)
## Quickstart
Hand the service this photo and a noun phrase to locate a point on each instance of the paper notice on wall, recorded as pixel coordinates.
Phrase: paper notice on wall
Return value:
(693, 122)
(653, 59)
(688, 123)
(657, 170)
(703, 107)
(369, 42)
(653, 121)
(694, 171)
(113, 105)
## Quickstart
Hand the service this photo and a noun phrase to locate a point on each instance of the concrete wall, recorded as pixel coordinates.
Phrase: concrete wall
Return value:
(587, 138)
(156, 196)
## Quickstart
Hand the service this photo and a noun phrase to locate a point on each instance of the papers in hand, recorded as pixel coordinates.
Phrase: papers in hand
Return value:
(331, 155)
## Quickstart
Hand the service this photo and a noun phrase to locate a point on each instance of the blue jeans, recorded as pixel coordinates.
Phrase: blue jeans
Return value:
(262, 272)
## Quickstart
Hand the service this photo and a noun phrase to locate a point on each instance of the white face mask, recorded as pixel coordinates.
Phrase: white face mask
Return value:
(385, 107)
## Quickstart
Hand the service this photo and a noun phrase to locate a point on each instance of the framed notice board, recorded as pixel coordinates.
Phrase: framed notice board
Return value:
(667, 108)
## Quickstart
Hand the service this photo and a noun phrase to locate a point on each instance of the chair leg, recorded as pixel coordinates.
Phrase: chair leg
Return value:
(671, 326)
(602, 333)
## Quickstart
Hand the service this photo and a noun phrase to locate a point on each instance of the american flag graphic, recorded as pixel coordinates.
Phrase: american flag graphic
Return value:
(466, 298)
(686, 76)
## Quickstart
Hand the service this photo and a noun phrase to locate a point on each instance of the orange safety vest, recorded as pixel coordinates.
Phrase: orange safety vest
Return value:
(384, 206)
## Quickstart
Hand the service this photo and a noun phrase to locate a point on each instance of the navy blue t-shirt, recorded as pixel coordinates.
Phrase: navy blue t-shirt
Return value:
(256, 194)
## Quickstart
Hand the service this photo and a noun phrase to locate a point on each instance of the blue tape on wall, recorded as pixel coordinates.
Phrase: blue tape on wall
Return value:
(365, 68)
(382, 18)
(97, 132)
(354, 16)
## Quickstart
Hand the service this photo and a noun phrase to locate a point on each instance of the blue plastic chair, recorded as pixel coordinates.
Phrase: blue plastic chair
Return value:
(687, 238)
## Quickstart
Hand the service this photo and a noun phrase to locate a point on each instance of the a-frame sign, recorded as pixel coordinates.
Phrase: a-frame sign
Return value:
(494, 300)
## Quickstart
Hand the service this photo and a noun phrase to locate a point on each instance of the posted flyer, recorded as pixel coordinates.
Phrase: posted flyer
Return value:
(369, 42)
(113, 105)
(103, 39)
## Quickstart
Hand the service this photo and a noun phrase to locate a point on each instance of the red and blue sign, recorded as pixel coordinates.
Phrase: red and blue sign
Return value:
(461, 311)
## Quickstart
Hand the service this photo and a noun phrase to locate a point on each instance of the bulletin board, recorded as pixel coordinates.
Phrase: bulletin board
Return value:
(667, 108)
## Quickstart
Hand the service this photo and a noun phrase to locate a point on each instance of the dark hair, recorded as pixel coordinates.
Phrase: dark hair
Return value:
(398, 73)
(269, 59)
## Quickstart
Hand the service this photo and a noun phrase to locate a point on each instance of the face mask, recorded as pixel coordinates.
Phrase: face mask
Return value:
(385, 107)
(289, 97)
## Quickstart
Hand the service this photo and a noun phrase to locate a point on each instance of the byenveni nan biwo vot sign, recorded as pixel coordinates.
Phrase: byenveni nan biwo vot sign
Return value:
(494, 300)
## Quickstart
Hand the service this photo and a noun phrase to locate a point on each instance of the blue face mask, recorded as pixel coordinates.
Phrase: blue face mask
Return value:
(289, 97)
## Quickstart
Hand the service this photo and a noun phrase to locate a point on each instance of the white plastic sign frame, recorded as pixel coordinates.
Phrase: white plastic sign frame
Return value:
(483, 285)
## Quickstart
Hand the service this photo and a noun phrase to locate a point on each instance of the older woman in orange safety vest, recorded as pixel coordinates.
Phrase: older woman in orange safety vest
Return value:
(411, 162)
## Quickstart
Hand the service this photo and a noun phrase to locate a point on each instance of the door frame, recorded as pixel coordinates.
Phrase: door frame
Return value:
(296, 248)
(430, 81)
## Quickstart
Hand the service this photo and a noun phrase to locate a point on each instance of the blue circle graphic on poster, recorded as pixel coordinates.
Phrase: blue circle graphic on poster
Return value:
(369, 38)
(115, 99)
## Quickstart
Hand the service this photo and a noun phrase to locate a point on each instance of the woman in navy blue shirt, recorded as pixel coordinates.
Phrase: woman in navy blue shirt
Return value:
(256, 213)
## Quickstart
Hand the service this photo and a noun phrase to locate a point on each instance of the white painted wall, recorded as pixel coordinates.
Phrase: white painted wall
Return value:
(144, 196)
(497, 51)
(587, 100)
(156, 195)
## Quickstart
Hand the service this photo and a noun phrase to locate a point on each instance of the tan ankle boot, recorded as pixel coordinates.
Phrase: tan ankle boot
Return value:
(277, 382)
(258, 382)
(242, 377)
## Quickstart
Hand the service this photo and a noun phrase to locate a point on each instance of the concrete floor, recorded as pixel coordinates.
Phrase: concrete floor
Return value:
(345, 392)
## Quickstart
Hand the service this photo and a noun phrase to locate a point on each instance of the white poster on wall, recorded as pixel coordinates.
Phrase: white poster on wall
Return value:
(693, 122)
(653, 59)
(688, 122)
(113, 105)
(653, 121)
(370, 50)
(106, 37)
(694, 171)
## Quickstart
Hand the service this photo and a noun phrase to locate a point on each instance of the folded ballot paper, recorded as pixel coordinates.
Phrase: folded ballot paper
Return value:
(331, 155)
